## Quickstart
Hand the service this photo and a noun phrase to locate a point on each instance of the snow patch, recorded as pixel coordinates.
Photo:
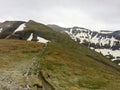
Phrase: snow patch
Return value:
(71, 30)
(20, 28)
(92, 48)
(115, 53)
(82, 36)
(95, 39)
(42, 40)
(104, 41)
(71, 35)
(112, 41)
(30, 37)
(1, 29)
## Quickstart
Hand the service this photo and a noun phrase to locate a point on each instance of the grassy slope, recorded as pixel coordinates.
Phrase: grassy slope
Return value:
(73, 69)
(12, 51)
(15, 58)
(72, 66)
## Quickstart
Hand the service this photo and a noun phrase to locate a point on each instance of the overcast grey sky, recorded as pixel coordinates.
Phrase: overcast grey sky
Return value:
(91, 14)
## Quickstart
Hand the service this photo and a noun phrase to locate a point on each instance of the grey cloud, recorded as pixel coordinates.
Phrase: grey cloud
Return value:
(103, 11)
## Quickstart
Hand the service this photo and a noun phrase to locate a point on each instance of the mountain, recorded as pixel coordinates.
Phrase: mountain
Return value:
(8, 27)
(105, 42)
(59, 64)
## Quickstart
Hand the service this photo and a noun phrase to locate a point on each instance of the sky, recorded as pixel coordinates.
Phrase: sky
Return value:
(91, 14)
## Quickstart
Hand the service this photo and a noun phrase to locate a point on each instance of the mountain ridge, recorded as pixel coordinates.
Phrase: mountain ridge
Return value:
(65, 63)
(104, 39)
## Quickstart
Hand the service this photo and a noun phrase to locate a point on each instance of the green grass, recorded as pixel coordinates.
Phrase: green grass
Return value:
(70, 66)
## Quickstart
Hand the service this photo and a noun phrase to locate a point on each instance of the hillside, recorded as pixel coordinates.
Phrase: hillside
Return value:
(69, 68)
(105, 42)
(16, 58)
(61, 64)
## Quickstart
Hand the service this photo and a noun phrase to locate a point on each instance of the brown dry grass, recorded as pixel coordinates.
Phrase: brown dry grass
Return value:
(14, 52)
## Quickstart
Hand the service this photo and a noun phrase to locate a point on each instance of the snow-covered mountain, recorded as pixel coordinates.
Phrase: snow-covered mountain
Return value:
(105, 42)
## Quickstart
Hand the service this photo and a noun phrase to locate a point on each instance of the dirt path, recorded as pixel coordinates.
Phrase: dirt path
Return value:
(42, 83)
(31, 78)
